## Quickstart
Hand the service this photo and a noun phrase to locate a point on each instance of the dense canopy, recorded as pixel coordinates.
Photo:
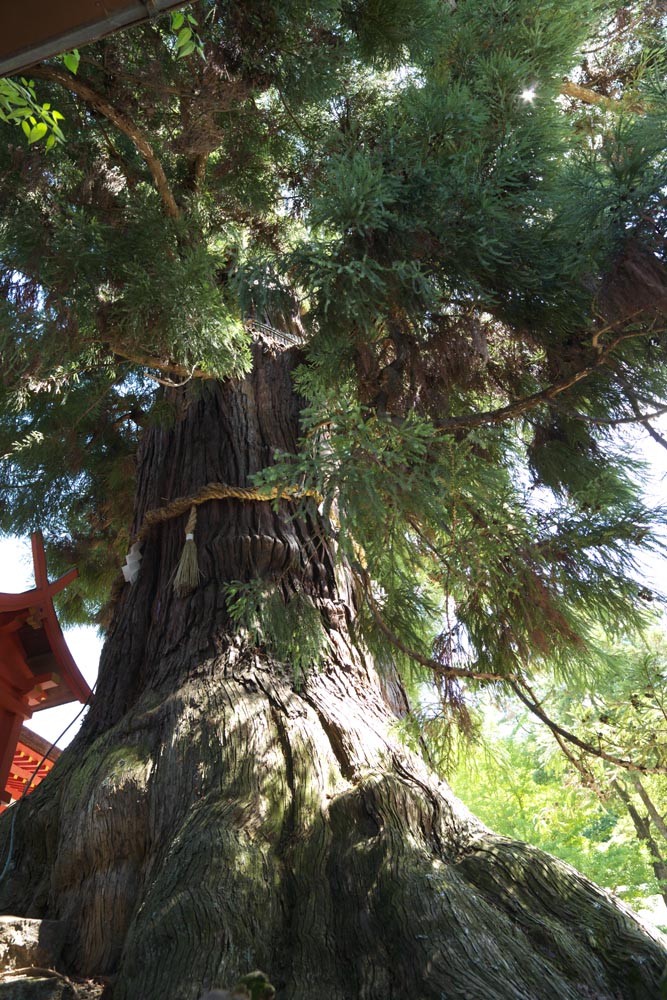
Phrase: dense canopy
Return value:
(459, 207)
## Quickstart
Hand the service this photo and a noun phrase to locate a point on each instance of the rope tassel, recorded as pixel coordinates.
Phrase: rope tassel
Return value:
(188, 574)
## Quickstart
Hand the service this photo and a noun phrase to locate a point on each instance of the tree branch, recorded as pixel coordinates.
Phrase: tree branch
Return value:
(643, 828)
(520, 406)
(587, 775)
(100, 104)
(199, 170)
(426, 661)
(517, 684)
(159, 364)
(644, 421)
(588, 96)
(639, 418)
(650, 806)
(533, 706)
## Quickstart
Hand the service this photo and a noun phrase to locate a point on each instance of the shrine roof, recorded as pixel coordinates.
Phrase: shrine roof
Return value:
(28, 761)
(32, 646)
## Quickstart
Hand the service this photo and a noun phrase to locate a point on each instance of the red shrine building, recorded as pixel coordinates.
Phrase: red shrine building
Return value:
(33, 759)
(37, 671)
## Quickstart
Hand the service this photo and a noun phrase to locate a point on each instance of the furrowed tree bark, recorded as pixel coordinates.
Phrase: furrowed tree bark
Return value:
(214, 816)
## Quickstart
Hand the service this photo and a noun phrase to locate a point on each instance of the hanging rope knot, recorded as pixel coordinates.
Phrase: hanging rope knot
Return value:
(188, 573)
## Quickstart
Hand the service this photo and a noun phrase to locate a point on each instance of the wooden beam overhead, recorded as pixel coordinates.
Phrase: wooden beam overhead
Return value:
(39, 29)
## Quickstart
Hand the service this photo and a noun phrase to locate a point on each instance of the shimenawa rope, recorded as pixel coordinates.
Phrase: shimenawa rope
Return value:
(187, 573)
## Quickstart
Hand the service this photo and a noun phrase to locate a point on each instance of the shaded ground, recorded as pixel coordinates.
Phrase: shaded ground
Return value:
(46, 984)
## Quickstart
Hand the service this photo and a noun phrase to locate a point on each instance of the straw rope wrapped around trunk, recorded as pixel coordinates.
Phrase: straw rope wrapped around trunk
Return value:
(188, 574)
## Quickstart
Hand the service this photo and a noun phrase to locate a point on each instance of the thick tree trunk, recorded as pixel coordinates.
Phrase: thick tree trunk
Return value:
(213, 816)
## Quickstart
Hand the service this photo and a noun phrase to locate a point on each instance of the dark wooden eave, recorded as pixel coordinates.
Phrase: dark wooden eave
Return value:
(38, 29)
(33, 758)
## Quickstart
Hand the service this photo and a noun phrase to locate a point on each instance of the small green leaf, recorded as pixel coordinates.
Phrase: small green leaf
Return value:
(184, 36)
(57, 117)
(177, 20)
(71, 60)
(186, 49)
(37, 133)
(50, 142)
(26, 128)
(192, 20)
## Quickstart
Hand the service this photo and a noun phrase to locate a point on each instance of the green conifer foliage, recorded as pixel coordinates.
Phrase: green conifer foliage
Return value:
(477, 263)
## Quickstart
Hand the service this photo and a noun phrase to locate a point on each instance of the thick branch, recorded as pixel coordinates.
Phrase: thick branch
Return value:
(100, 104)
(199, 170)
(643, 829)
(527, 403)
(588, 96)
(650, 806)
(159, 364)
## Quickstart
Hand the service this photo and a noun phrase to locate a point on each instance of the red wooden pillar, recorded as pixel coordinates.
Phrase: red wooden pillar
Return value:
(11, 726)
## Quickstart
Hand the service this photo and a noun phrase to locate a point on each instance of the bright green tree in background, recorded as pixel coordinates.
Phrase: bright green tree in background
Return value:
(512, 788)
(608, 821)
